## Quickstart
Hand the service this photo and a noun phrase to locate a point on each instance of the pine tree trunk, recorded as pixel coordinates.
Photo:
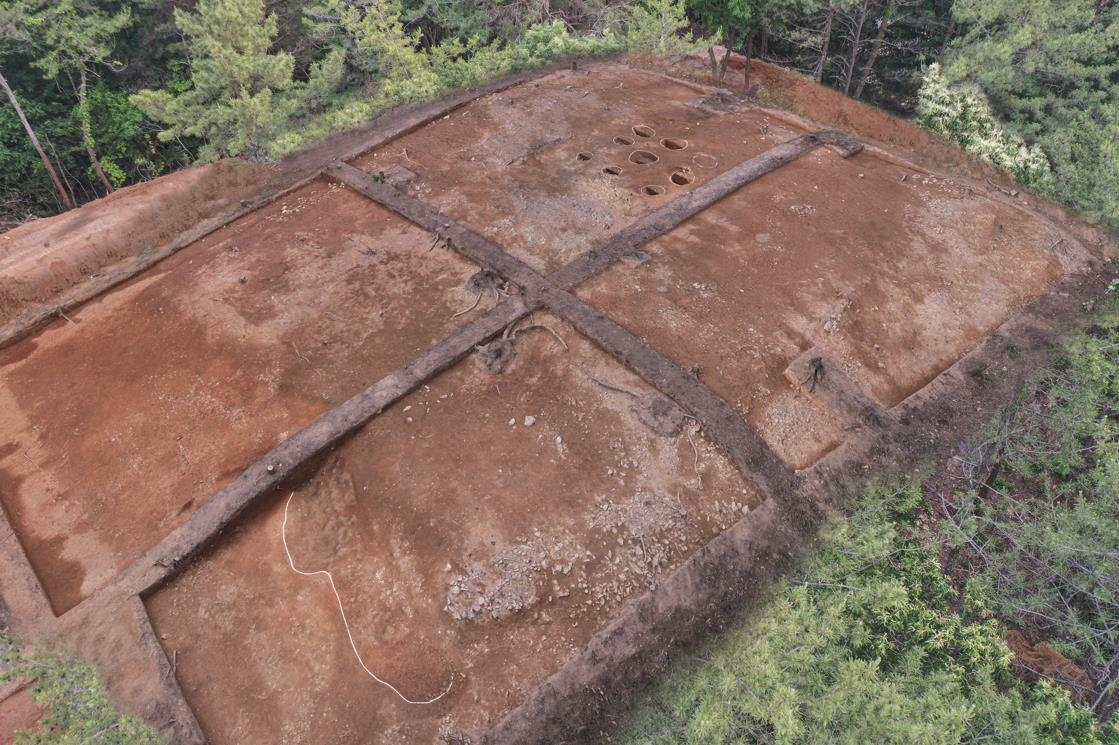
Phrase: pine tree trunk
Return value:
(722, 71)
(67, 200)
(948, 36)
(868, 68)
(62, 173)
(825, 42)
(856, 42)
(749, 56)
(87, 132)
(718, 67)
(1100, 5)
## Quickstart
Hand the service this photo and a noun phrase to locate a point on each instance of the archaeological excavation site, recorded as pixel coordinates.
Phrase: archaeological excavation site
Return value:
(455, 428)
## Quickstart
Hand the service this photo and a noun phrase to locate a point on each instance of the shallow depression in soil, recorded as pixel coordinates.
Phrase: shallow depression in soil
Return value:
(485, 526)
(163, 390)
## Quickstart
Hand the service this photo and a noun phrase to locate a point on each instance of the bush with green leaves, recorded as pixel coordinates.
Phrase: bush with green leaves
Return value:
(963, 115)
(1050, 69)
(77, 711)
(1041, 535)
(866, 645)
(659, 27)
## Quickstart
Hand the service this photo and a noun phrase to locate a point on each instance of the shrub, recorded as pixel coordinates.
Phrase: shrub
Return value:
(77, 709)
(1042, 534)
(962, 115)
(867, 645)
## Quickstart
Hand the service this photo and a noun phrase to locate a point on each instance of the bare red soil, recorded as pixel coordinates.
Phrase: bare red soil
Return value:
(19, 712)
(489, 524)
(122, 422)
(895, 274)
(462, 541)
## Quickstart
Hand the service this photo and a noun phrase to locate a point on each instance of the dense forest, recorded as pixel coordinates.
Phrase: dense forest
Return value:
(104, 93)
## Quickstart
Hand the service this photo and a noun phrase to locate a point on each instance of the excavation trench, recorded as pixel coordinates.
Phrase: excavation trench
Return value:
(527, 439)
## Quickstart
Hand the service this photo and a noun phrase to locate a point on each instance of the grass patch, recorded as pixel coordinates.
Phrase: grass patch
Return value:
(77, 709)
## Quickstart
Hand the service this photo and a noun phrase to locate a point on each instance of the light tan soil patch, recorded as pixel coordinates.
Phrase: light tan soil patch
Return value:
(461, 540)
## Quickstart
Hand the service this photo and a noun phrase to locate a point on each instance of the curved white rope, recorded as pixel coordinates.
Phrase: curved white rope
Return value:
(346, 623)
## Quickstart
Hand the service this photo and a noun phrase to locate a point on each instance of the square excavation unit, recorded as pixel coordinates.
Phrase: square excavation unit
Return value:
(455, 437)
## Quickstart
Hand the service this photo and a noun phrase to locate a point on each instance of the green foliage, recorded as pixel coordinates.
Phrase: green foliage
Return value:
(379, 49)
(384, 57)
(1051, 69)
(456, 19)
(125, 141)
(962, 115)
(659, 27)
(372, 35)
(735, 20)
(24, 186)
(238, 100)
(125, 138)
(545, 42)
(74, 37)
(867, 646)
(69, 35)
(245, 100)
(77, 709)
(1043, 539)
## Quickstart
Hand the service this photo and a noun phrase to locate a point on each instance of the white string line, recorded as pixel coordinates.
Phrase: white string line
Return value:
(346, 623)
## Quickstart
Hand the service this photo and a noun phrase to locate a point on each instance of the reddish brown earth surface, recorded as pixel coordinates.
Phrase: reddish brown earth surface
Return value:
(121, 423)
(486, 526)
(894, 279)
(18, 712)
(42, 257)
(511, 164)
(462, 542)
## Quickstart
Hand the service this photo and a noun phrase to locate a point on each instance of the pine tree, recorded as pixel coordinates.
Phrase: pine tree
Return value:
(239, 99)
(658, 27)
(73, 38)
(378, 48)
(1051, 70)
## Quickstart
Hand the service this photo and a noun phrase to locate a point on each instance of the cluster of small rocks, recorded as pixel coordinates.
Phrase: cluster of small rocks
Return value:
(638, 538)
(513, 579)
